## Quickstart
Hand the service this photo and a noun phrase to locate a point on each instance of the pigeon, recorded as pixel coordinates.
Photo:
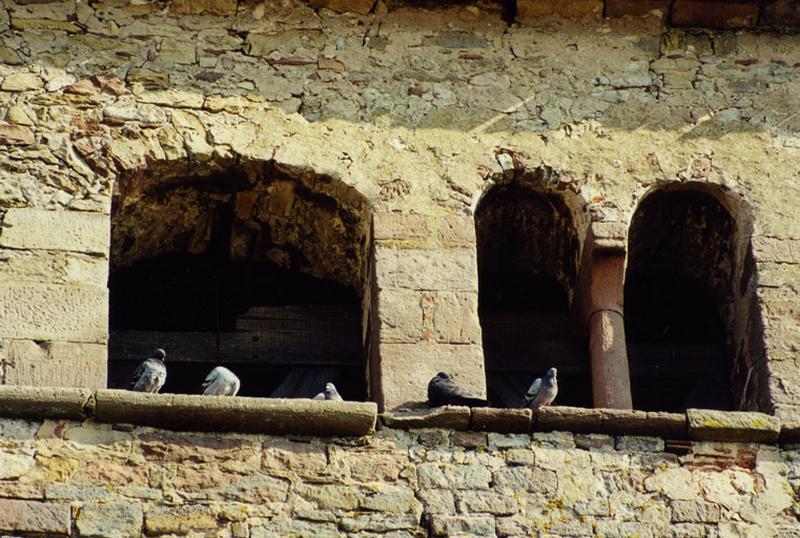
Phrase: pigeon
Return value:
(330, 393)
(221, 382)
(543, 390)
(151, 374)
(442, 390)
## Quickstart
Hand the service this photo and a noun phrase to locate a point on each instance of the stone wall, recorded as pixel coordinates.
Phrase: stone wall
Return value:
(64, 478)
(418, 113)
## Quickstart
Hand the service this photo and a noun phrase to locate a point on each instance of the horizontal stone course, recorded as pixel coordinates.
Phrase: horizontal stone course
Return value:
(76, 231)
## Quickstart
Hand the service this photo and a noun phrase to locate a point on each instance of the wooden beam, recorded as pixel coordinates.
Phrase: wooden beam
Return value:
(289, 348)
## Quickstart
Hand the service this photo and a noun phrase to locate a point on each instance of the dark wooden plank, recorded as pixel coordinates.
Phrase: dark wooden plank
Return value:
(305, 382)
(280, 347)
(572, 357)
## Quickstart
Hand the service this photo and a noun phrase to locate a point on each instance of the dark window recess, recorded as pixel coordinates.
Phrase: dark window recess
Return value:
(678, 302)
(282, 331)
(527, 259)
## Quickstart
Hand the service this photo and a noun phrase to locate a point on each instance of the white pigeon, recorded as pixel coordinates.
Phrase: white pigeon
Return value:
(221, 382)
(151, 374)
(543, 390)
(330, 393)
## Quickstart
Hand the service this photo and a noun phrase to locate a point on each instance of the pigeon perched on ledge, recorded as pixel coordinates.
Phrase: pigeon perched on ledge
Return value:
(543, 390)
(151, 374)
(330, 393)
(221, 382)
(442, 390)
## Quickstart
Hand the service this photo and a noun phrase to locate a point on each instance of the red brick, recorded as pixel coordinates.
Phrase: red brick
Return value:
(34, 516)
(714, 13)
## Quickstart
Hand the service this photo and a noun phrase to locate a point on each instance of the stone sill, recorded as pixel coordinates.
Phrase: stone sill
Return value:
(192, 412)
(695, 424)
(309, 417)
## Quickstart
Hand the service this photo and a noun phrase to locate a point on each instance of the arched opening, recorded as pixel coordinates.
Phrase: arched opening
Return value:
(679, 301)
(257, 269)
(528, 250)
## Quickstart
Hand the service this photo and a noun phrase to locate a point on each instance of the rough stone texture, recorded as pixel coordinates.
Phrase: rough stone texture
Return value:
(112, 520)
(449, 416)
(30, 516)
(44, 402)
(75, 231)
(501, 420)
(613, 421)
(708, 425)
(431, 482)
(273, 415)
(55, 364)
(50, 312)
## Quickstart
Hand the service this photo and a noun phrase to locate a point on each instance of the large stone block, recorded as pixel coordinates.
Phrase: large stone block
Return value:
(52, 267)
(399, 226)
(776, 249)
(709, 425)
(529, 10)
(259, 415)
(456, 317)
(442, 525)
(112, 520)
(400, 314)
(16, 135)
(76, 231)
(56, 364)
(417, 269)
(39, 402)
(406, 369)
(49, 312)
(34, 517)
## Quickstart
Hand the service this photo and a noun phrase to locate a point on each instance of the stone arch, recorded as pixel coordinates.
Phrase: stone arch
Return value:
(689, 300)
(262, 257)
(529, 242)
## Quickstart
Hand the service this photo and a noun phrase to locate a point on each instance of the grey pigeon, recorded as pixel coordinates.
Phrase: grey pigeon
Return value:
(151, 374)
(221, 382)
(330, 393)
(442, 390)
(543, 390)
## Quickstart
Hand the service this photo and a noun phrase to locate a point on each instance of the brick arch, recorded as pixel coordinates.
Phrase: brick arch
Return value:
(266, 234)
(529, 242)
(690, 284)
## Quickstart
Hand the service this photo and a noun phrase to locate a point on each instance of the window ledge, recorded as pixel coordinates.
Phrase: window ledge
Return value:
(695, 424)
(192, 412)
(309, 417)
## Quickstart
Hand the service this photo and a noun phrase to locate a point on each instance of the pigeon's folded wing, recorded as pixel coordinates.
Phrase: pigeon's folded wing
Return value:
(534, 389)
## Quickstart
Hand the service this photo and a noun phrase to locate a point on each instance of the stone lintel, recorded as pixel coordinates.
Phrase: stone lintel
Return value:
(611, 421)
(453, 417)
(243, 414)
(710, 425)
(488, 419)
(45, 402)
